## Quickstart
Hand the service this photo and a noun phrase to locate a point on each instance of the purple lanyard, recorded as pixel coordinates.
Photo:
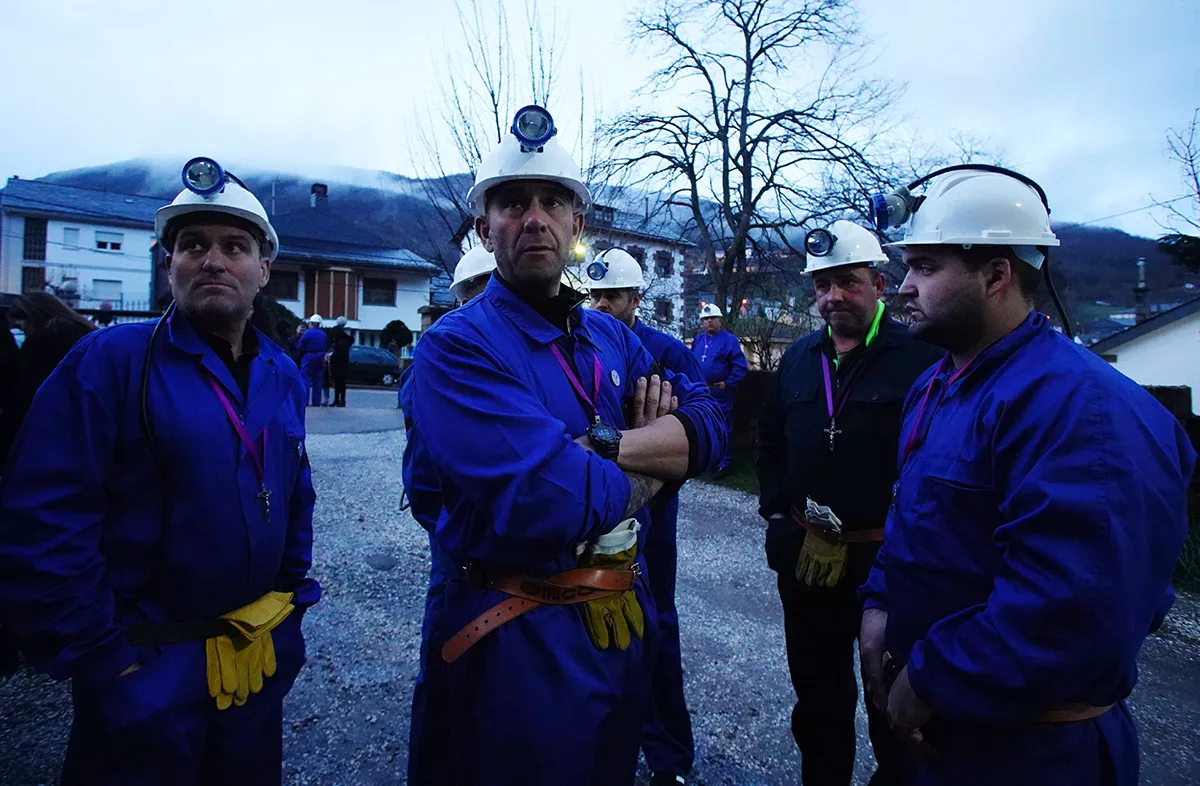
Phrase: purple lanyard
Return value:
(575, 383)
(257, 457)
(829, 390)
(833, 430)
(916, 437)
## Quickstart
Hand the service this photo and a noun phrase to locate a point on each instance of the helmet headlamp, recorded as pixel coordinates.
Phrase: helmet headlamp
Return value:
(533, 126)
(203, 176)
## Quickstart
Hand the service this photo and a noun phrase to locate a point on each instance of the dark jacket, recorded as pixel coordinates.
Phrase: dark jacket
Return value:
(40, 353)
(856, 478)
(340, 341)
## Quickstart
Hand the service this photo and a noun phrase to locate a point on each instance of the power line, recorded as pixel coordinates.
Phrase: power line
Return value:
(1135, 210)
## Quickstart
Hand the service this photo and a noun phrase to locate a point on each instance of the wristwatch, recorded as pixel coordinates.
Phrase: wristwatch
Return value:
(605, 439)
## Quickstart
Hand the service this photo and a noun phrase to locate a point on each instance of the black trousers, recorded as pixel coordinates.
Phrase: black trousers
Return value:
(821, 626)
(339, 386)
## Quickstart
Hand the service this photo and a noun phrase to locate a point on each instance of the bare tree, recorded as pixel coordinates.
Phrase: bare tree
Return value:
(1183, 148)
(777, 125)
(470, 112)
(772, 327)
(1183, 212)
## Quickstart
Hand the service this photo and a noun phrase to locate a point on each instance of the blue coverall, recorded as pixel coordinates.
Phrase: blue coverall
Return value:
(1028, 553)
(312, 346)
(83, 557)
(667, 736)
(721, 360)
(535, 702)
(427, 738)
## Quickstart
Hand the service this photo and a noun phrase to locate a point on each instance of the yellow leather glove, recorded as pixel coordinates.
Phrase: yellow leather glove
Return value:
(222, 670)
(613, 618)
(238, 663)
(822, 562)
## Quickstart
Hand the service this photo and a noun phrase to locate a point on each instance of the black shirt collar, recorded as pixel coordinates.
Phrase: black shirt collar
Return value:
(240, 368)
(558, 310)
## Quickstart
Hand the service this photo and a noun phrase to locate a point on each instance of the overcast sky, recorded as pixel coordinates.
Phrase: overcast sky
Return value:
(1076, 93)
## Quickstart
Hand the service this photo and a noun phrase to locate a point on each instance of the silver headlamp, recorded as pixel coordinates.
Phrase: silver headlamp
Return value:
(819, 242)
(203, 176)
(533, 127)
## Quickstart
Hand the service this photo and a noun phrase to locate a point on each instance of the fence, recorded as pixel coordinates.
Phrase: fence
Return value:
(1178, 401)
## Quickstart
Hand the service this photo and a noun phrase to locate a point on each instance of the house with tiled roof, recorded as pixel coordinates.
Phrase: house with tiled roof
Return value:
(1160, 351)
(329, 265)
(91, 246)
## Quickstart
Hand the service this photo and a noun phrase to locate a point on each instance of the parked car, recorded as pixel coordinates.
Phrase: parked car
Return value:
(372, 366)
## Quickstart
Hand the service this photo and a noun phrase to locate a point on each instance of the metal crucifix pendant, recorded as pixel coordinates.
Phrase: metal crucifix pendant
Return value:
(265, 495)
(832, 431)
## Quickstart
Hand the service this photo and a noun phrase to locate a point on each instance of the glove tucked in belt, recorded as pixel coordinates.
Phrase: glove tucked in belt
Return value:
(240, 660)
(602, 584)
(822, 560)
(612, 618)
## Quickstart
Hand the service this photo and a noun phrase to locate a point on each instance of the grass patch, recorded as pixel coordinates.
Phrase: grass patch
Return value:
(742, 475)
(1187, 572)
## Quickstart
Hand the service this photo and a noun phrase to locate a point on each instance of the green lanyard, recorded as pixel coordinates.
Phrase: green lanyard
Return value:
(871, 334)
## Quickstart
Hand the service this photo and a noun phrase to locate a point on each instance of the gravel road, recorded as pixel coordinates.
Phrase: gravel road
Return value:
(346, 720)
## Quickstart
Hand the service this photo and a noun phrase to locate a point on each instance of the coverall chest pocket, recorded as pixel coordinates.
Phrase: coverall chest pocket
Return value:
(953, 526)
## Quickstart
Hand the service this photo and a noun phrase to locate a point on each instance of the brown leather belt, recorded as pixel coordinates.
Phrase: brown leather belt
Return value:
(853, 536)
(528, 592)
(1068, 713)
(1071, 713)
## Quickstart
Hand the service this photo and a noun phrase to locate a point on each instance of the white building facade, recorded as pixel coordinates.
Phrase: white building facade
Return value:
(660, 252)
(1161, 351)
(89, 247)
(93, 248)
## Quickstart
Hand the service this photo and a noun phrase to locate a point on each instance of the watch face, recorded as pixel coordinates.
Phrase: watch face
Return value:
(605, 440)
(604, 433)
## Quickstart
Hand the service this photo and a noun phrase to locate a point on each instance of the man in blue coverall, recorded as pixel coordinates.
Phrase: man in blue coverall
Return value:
(519, 407)
(1039, 513)
(615, 282)
(156, 522)
(724, 365)
(311, 349)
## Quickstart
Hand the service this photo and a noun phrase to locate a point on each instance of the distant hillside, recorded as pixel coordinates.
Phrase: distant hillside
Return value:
(1098, 263)
(1093, 263)
(391, 205)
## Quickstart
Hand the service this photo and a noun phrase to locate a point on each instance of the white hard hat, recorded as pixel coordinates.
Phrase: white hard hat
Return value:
(614, 268)
(315, 318)
(231, 199)
(710, 310)
(979, 208)
(513, 159)
(473, 264)
(844, 243)
(341, 321)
